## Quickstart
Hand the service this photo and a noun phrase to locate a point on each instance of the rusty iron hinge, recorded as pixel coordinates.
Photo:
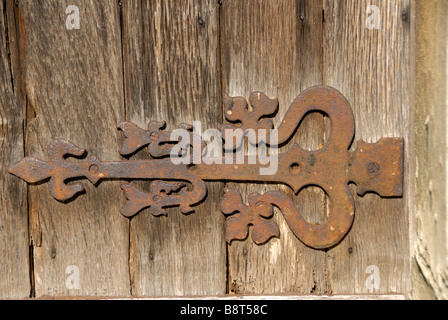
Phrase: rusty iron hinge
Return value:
(179, 180)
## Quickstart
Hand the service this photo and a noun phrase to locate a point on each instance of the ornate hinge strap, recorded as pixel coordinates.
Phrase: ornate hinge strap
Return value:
(181, 162)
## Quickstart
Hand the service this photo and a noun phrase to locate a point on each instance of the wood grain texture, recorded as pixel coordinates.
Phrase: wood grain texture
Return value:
(430, 255)
(373, 69)
(73, 84)
(276, 47)
(173, 61)
(14, 261)
(172, 73)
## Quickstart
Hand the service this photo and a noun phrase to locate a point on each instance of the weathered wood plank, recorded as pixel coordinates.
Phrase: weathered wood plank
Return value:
(14, 261)
(276, 47)
(172, 73)
(430, 256)
(372, 68)
(73, 83)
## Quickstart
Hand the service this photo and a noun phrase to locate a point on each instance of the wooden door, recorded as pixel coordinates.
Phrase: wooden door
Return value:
(174, 60)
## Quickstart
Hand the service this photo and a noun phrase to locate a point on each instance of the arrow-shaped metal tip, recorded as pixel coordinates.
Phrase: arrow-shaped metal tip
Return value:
(31, 170)
(135, 138)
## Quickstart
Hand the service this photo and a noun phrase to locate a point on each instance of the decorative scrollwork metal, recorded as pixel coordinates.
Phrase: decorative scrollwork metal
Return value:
(372, 167)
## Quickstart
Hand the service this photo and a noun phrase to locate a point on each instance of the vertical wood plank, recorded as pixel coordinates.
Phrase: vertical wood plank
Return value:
(430, 253)
(172, 74)
(372, 68)
(276, 47)
(73, 84)
(14, 262)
